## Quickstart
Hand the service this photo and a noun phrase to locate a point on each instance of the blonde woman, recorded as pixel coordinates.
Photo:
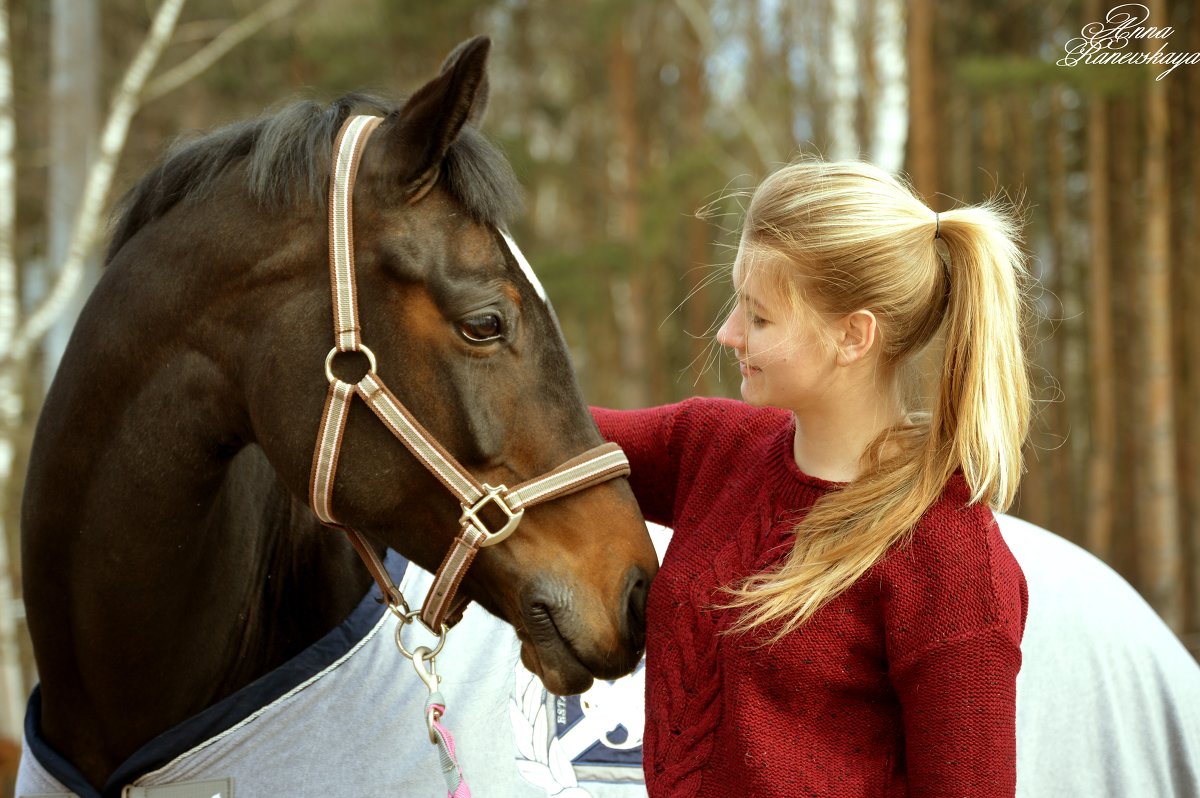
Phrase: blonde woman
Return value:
(837, 614)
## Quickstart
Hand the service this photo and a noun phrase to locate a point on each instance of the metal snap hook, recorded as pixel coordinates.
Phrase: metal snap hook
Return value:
(421, 655)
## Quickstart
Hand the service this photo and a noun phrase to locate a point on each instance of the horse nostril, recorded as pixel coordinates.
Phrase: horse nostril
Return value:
(637, 586)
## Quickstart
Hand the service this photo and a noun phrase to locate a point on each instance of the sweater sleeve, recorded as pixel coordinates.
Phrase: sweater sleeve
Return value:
(646, 437)
(959, 711)
(955, 611)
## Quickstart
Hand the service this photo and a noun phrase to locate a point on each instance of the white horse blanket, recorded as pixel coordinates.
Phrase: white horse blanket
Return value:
(1108, 705)
(345, 719)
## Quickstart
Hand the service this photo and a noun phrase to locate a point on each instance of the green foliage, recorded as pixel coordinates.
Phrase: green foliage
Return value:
(576, 276)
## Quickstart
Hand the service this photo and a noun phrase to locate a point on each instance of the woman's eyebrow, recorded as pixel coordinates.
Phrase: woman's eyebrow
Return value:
(749, 300)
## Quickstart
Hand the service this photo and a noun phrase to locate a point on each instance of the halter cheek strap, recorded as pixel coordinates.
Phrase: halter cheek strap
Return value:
(594, 466)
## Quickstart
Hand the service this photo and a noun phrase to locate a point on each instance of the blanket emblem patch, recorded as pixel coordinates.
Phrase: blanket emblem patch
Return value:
(565, 742)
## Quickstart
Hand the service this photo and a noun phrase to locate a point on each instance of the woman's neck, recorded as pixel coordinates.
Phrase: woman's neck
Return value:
(829, 440)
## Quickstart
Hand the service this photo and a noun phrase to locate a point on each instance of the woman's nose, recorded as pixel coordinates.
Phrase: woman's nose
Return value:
(731, 332)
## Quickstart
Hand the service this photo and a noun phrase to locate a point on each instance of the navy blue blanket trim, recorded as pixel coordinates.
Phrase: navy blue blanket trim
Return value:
(223, 715)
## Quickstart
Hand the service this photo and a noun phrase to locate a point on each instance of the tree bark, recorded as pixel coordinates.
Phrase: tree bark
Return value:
(629, 289)
(12, 693)
(698, 315)
(842, 82)
(95, 192)
(1159, 543)
(890, 116)
(923, 144)
(747, 115)
(1128, 242)
(212, 52)
(1187, 272)
(1063, 513)
(1102, 456)
(74, 113)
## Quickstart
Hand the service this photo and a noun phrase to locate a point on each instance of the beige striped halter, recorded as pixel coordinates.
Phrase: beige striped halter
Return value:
(597, 465)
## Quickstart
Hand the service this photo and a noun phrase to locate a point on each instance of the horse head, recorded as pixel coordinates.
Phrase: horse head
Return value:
(465, 337)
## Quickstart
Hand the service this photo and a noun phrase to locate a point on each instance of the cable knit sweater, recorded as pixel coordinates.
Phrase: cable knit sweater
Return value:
(903, 685)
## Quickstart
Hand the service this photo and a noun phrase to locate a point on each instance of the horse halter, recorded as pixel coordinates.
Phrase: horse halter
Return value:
(594, 466)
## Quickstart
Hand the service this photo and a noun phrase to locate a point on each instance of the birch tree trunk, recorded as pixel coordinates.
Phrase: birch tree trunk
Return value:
(95, 192)
(74, 117)
(12, 692)
(17, 339)
(746, 114)
(891, 104)
(843, 82)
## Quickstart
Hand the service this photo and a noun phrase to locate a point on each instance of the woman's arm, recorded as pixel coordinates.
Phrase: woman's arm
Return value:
(959, 707)
(646, 436)
(955, 609)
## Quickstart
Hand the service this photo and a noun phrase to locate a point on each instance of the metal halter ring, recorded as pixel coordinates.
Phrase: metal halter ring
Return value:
(408, 618)
(333, 353)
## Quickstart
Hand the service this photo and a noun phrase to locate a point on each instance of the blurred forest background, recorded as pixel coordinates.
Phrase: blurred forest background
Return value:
(622, 119)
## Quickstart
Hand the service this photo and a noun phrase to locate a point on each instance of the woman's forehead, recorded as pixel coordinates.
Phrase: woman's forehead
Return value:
(757, 272)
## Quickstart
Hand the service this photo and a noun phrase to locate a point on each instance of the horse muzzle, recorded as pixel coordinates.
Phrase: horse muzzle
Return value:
(568, 643)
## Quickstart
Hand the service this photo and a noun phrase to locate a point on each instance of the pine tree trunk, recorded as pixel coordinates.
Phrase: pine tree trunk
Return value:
(923, 144)
(1159, 544)
(698, 313)
(1063, 514)
(1188, 289)
(1102, 458)
(629, 289)
(1127, 240)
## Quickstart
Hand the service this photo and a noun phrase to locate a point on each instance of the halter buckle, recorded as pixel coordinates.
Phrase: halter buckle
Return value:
(470, 517)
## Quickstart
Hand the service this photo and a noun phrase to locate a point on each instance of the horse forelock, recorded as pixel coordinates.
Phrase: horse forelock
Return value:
(287, 158)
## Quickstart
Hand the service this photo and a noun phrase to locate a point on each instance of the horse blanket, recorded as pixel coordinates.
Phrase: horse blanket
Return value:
(346, 718)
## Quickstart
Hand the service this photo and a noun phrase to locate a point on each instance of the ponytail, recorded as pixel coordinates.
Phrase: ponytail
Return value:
(983, 406)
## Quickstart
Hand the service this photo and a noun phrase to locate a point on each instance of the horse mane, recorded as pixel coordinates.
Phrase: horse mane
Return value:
(287, 158)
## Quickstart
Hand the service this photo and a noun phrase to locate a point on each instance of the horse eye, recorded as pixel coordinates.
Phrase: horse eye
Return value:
(483, 328)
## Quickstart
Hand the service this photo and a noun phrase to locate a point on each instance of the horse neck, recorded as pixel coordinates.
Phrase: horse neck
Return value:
(165, 566)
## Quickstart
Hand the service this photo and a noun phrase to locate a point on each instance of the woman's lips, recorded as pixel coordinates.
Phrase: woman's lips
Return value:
(747, 371)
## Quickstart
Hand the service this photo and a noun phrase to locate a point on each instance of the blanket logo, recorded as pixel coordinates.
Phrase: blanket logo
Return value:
(565, 742)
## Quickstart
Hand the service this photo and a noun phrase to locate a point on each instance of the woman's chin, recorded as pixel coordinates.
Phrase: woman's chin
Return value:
(750, 394)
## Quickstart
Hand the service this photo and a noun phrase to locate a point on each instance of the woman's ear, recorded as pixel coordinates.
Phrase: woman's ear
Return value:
(855, 335)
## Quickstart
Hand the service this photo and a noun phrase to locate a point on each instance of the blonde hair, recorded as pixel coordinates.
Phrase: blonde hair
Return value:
(853, 237)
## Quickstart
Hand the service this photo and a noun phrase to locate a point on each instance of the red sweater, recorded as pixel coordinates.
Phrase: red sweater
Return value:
(905, 684)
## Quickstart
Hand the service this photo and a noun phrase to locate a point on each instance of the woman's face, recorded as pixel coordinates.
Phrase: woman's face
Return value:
(783, 360)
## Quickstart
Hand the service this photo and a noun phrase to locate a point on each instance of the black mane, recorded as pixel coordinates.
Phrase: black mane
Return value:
(287, 160)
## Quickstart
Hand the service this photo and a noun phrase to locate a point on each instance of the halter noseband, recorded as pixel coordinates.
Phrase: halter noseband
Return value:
(596, 465)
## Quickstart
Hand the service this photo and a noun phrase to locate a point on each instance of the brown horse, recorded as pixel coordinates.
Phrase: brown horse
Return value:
(170, 555)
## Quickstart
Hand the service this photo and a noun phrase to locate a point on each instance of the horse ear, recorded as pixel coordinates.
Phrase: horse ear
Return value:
(482, 92)
(433, 117)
